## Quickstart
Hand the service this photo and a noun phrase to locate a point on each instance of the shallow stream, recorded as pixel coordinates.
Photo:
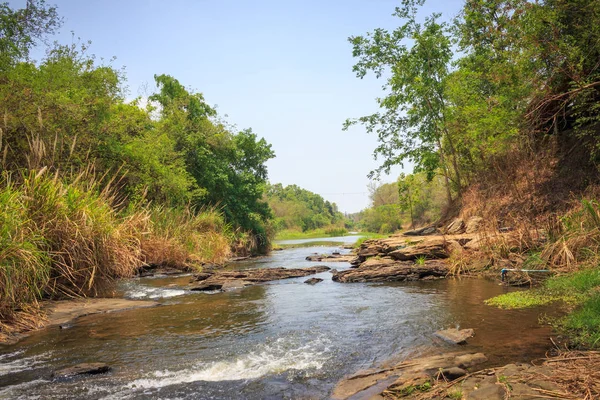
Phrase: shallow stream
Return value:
(285, 339)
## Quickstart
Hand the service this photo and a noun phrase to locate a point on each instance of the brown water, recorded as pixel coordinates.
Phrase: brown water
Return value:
(280, 340)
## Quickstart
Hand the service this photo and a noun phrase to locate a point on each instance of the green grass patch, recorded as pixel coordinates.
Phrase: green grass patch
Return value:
(572, 289)
(583, 324)
(579, 291)
(520, 299)
(577, 283)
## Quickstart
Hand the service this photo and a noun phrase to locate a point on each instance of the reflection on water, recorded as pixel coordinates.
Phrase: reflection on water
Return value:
(285, 339)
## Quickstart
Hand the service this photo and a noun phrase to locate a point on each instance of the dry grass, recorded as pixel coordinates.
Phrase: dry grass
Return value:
(182, 238)
(59, 240)
(459, 263)
(576, 373)
(576, 238)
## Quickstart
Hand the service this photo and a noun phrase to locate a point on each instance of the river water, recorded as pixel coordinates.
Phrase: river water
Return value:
(285, 339)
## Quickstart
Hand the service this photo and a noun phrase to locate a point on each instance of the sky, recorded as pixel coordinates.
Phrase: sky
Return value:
(280, 67)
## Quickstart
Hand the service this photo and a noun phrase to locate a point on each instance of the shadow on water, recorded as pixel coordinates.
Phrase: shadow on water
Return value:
(285, 339)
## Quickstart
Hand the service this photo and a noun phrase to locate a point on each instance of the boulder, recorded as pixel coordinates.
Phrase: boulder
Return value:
(81, 369)
(453, 373)
(455, 227)
(430, 249)
(455, 336)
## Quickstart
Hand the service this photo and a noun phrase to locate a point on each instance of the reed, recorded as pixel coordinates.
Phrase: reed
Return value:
(59, 240)
(183, 238)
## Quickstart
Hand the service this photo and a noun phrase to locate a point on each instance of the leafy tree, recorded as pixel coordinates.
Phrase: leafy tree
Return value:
(228, 169)
(413, 122)
(383, 194)
(21, 28)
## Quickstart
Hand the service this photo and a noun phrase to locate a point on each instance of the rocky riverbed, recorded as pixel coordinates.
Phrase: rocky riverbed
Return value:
(303, 323)
(571, 375)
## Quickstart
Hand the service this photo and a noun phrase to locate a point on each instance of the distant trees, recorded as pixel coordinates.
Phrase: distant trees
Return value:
(300, 209)
(412, 200)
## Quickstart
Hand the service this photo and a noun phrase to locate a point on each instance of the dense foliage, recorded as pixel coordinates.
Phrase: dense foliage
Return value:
(68, 113)
(498, 79)
(93, 186)
(299, 209)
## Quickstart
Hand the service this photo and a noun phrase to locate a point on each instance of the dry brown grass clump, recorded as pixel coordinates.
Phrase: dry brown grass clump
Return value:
(182, 238)
(59, 240)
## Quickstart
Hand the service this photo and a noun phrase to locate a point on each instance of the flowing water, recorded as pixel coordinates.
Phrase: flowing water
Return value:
(279, 340)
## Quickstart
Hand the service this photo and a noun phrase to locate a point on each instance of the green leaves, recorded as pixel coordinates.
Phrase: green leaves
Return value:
(412, 123)
(21, 28)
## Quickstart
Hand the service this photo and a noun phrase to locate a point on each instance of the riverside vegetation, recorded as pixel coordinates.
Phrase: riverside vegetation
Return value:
(93, 186)
(502, 105)
(498, 111)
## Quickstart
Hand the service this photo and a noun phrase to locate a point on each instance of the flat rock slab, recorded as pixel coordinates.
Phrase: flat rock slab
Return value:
(455, 336)
(428, 230)
(64, 311)
(331, 257)
(373, 382)
(431, 248)
(81, 369)
(389, 270)
(224, 280)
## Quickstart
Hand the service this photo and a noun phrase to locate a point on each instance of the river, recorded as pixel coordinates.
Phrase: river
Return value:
(285, 339)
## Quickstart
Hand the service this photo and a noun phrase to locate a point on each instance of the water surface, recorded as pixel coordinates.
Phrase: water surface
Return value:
(285, 339)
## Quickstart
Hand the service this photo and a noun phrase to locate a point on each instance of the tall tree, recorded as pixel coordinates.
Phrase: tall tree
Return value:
(21, 28)
(412, 125)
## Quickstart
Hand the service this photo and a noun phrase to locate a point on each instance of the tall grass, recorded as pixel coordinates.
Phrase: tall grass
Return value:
(182, 238)
(575, 238)
(24, 265)
(59, 240)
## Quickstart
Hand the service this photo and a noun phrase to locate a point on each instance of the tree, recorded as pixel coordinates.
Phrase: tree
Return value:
(413, 122)
(228, 168)
(21, 28)
(386, 193)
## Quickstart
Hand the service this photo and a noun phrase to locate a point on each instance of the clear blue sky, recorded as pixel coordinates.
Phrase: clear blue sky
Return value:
(281, 67)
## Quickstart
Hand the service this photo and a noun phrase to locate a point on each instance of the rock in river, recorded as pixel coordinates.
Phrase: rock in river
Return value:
(81, 369)
(455, 336)
(313, 281)
(397, 380)
(388, 270)
(335, 257)
(224, 280)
